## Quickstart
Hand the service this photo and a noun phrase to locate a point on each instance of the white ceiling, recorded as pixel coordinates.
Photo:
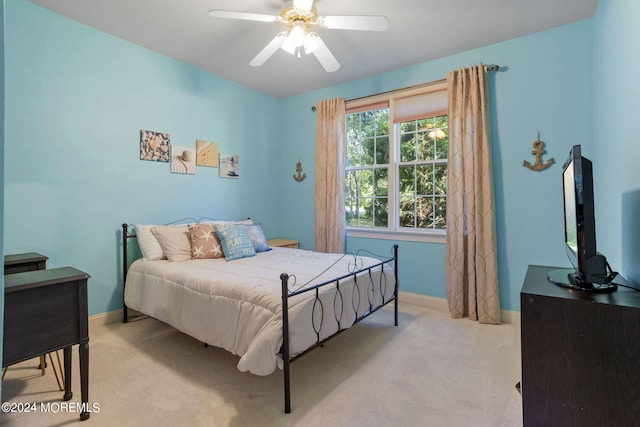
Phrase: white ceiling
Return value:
(419, 30)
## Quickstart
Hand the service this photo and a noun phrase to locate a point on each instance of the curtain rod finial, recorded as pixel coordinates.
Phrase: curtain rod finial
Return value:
(313, 108)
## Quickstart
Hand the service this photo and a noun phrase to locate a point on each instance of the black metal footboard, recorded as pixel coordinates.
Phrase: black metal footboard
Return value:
(315, 289)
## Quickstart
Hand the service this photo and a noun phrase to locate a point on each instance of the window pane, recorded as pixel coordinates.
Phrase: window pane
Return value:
(353, 151)
(440, 172)
(407, 181)
(407, 147)
(366, 183)
(381, 177)
(424, 212)
(351, 211)
(442, 145)
(353, 126)
(351, 184)
(424, 124)
(440, 217)
(382, 150)
(442, 137)
(381, 212)
(409, 126)
(425, 145)
(368, 147)
(366, 213)
(424, 179)
(382, 122)
(368, 123)
(442, 121)
(407, 212)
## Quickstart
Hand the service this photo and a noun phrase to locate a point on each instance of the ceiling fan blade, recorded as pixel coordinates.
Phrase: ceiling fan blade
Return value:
(324, 55)
(230, 14)
(302, 4)
(365, 23)
(269, 50)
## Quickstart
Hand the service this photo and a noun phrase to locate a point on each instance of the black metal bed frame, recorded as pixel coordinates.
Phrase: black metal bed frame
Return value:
(287, 293)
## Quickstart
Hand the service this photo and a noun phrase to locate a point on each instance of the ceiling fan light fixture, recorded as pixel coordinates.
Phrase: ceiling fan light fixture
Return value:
(300, 17)
(296, 37)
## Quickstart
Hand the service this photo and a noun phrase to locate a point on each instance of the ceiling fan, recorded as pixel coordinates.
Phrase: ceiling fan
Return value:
(301, 17)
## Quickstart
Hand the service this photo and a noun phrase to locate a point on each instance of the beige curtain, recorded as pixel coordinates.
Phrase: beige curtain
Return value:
(330, 158)
(472, 266)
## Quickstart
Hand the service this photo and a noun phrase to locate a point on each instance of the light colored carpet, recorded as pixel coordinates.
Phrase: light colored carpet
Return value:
(429, 371)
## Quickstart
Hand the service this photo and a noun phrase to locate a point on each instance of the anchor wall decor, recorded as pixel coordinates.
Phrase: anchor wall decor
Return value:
(538, 152)
(299, 176)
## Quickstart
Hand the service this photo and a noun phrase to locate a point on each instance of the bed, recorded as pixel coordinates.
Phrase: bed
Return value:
(268, 308)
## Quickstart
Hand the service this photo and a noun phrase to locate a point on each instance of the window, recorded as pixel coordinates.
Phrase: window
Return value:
(367, 171)
(396, 166)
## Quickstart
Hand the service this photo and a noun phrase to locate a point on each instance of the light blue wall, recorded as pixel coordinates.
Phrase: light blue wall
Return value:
(617, 133)
(546, 86)
(77, 99)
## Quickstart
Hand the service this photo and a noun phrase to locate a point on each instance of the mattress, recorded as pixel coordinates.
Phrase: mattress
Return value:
(237, 305)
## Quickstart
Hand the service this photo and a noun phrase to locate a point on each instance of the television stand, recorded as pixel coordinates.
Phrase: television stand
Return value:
(580, 353)
(567, 278)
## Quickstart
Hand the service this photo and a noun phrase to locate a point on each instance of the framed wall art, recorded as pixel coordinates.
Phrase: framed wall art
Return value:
(229, 166)
(207, 153)
(183, 160)
(154, 146)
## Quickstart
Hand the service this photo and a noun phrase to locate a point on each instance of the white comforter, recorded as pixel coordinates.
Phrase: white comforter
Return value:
(237, 304)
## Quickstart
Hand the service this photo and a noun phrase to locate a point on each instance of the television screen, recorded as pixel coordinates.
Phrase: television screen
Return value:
(570, 213)
(590, 267)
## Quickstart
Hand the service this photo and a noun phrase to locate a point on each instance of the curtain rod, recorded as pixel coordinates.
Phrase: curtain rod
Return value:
(489, 68)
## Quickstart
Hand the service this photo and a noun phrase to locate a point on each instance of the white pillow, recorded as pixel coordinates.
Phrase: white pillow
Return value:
(149, 246)
(174, 241)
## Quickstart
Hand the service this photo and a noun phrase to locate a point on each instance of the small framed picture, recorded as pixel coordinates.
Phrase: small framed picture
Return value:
(154, 146)
(207, 153)
(229, 166)
(183, 159)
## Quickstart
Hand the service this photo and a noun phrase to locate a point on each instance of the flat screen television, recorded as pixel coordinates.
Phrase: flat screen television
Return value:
(590, 269)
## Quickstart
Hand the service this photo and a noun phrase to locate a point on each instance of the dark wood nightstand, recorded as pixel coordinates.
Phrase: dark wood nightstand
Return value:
(283, 243)
(29, 261)
(44, 311)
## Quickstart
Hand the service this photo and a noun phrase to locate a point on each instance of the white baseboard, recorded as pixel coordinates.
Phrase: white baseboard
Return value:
(425, 301)
(440, 304)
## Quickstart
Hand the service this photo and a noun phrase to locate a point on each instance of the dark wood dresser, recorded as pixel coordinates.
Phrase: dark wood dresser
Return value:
(580, 354)
(44, 311)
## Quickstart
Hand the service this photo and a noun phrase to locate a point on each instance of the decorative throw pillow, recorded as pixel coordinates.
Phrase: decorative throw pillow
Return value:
(258, 238)
(174, 241)
(235, 241)
(149, 245)
(204, 242)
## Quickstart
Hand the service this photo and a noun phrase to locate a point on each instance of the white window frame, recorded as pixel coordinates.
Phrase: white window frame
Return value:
(395, 100)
